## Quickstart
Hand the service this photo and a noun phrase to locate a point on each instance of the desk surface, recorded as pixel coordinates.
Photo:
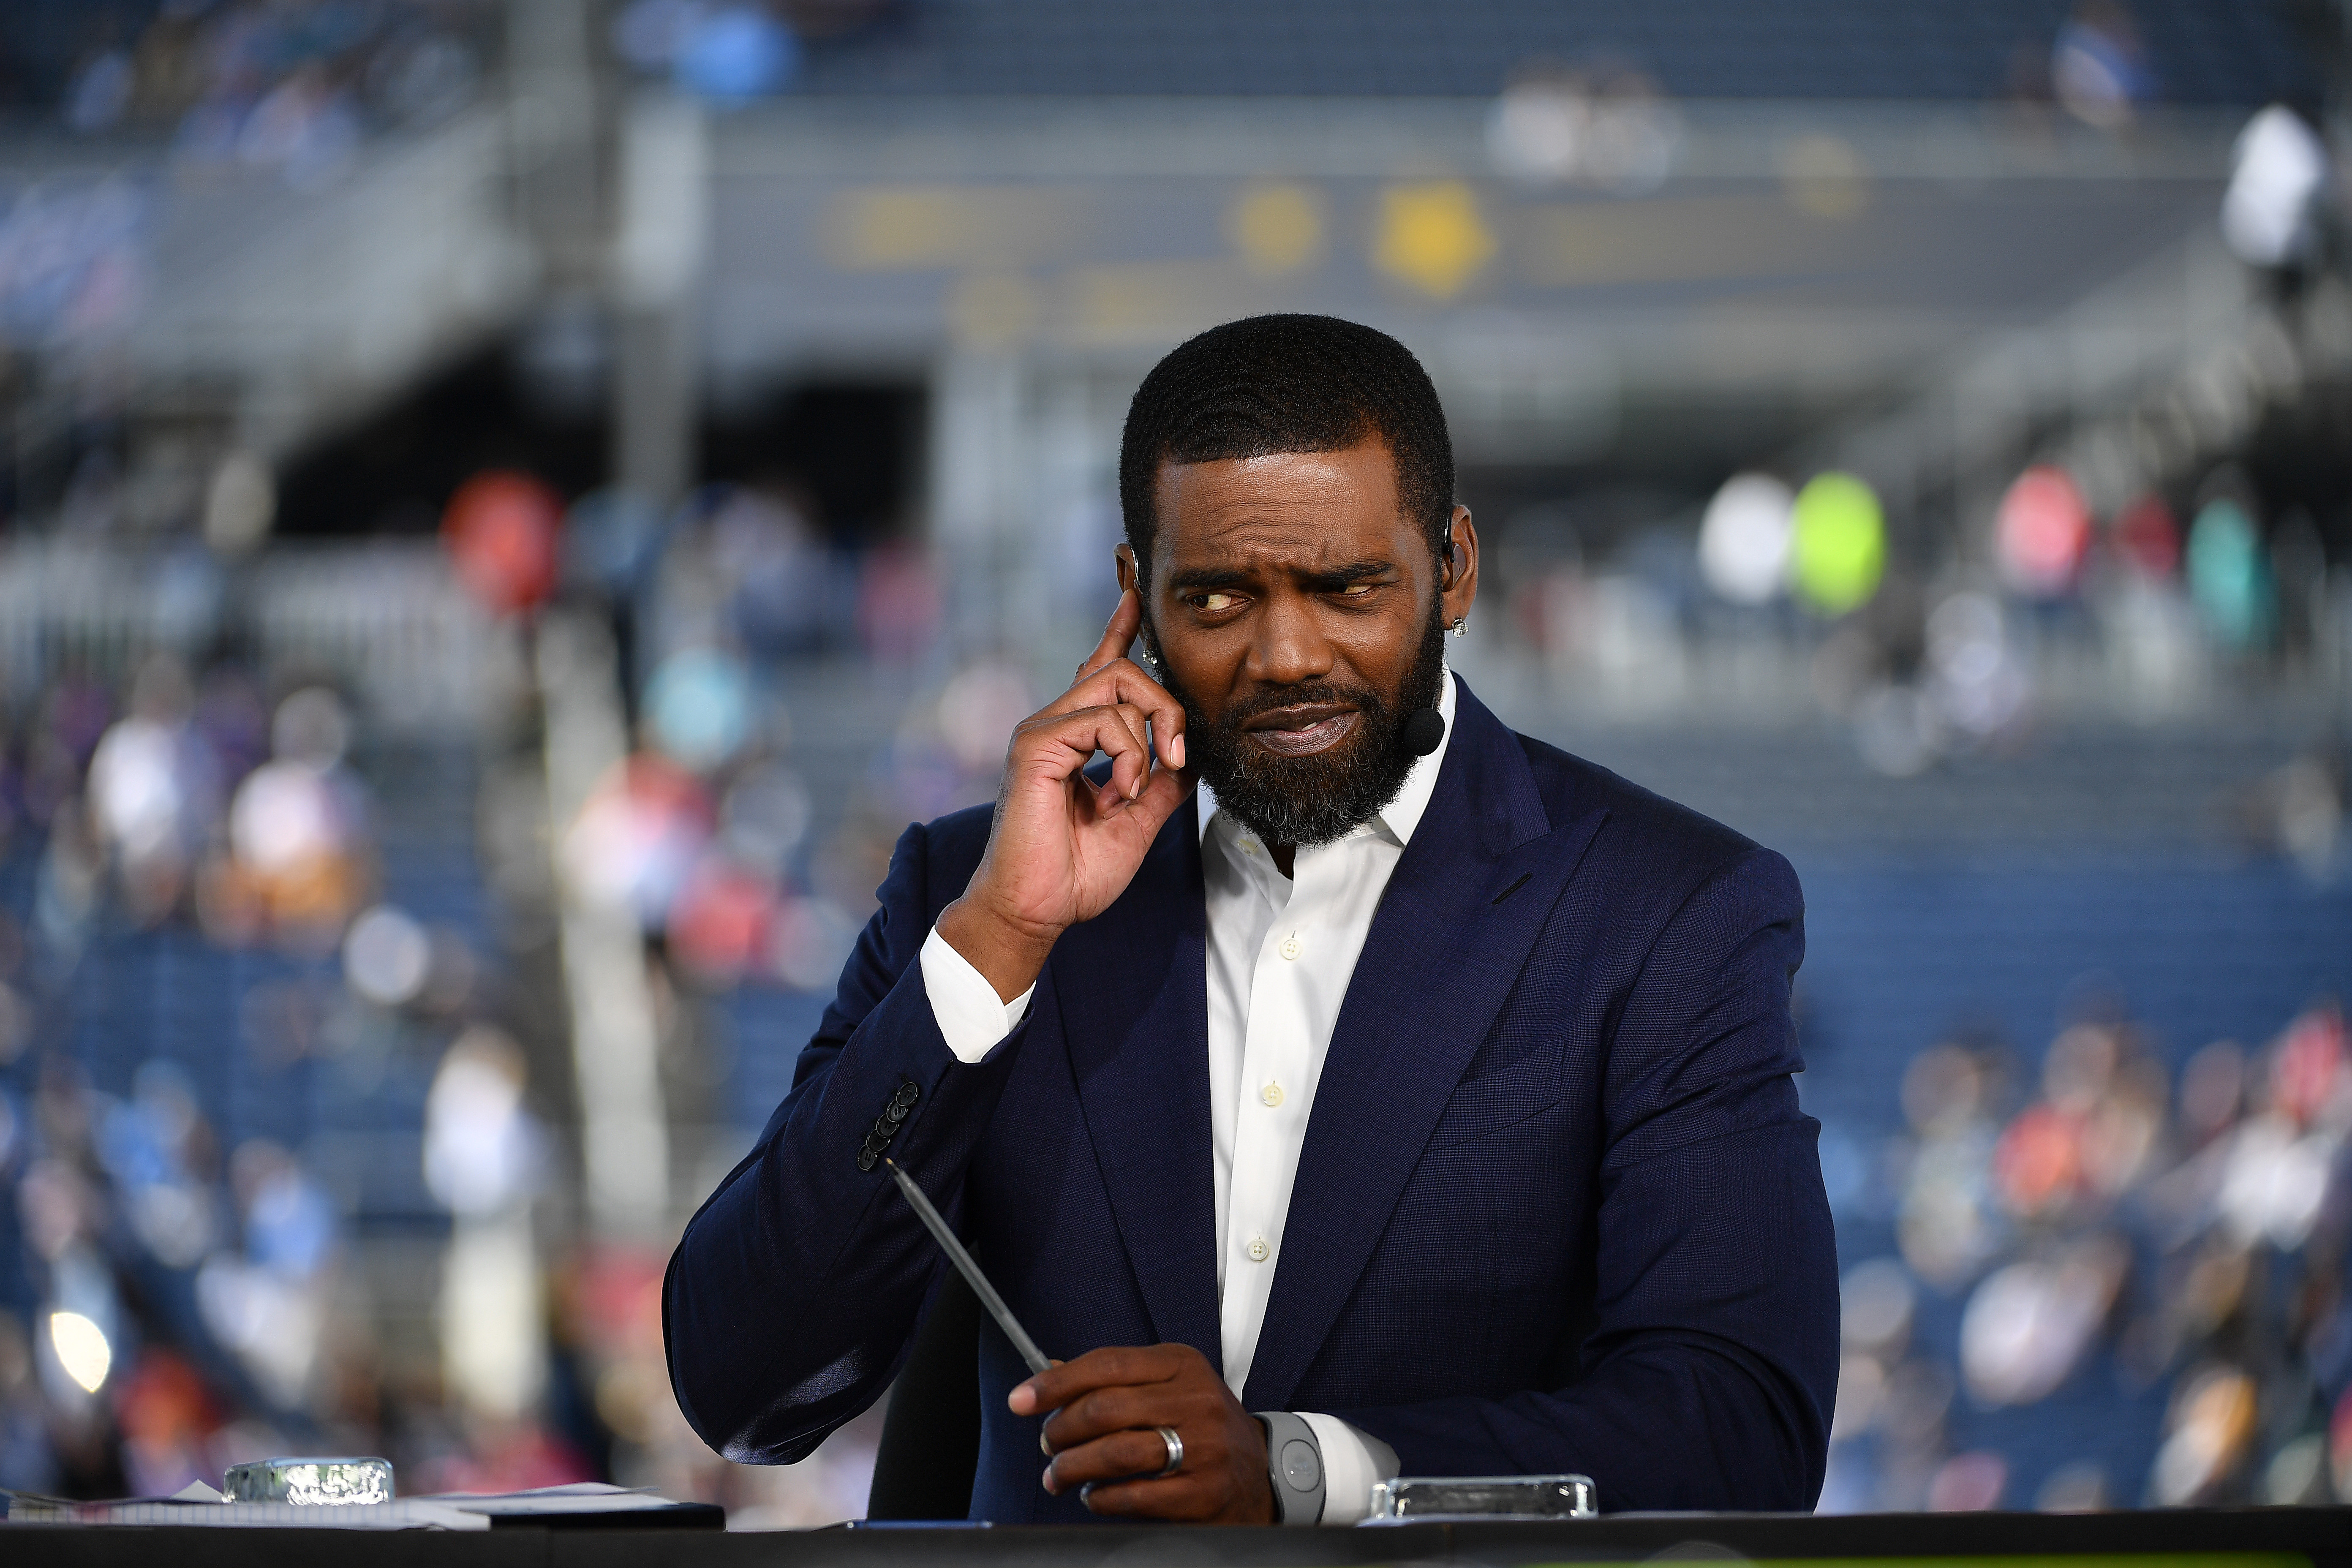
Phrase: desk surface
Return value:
(2219, 1538)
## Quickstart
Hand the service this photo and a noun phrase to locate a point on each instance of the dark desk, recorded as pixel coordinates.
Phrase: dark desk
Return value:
(2236, 1537)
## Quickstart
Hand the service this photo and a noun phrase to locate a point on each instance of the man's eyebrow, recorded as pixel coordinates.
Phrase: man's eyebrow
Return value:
(1225, 575)
(1238, 575)
(1353, 572)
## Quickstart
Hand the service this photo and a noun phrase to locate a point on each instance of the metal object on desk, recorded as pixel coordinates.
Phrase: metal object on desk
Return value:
(1421, 1499)
(310, 1481)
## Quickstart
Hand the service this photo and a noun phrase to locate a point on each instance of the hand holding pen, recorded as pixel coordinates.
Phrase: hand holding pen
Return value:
(1147, 1432)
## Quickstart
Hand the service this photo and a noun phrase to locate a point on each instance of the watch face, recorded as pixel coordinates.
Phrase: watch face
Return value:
(1294, 1465)
(1301, 1466)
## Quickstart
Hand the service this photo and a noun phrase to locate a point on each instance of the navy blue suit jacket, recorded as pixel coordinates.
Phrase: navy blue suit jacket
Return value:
(1557, 1209)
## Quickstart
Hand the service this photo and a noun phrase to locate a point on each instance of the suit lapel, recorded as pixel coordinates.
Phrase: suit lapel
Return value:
(1132, 988)
(1437, 963)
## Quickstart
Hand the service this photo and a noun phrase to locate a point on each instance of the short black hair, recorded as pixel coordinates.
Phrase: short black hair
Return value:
(1286, 383)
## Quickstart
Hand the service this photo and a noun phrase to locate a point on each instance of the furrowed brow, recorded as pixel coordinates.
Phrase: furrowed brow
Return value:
(1326, 578)
(1232, 574)
(1198, 579)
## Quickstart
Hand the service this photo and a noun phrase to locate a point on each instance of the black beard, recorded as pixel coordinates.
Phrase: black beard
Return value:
(1311, 800)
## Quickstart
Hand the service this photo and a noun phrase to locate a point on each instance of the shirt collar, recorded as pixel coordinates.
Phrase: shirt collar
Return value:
(1400, 815)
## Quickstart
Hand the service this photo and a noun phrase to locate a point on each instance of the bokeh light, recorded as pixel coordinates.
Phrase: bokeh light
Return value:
(2228, 578)
(502, 529)
(2042, 533)
(2277, 172)
(2146, 538)
(1838, 543)
(81, 1349)
(387, 956)
(698, 707)
(1743, 540)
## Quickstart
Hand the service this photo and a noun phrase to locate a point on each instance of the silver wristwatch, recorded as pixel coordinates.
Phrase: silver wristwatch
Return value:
(1293, 1463)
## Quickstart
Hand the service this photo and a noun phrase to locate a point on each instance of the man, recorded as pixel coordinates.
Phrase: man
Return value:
(1430, 1114)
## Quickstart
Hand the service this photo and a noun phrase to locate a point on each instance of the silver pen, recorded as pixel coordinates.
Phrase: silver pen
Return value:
(969, 1270)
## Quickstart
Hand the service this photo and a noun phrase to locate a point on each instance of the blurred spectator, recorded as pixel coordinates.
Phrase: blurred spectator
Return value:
(1946, 1224)
(71, 263)
(483, 1162)
(1977, 687)
(501, 529)
(2229, 577)
(1838, 545)
(762, 544)
(744, 568)
(2146, 539)
(290, 88)
(2099, 69)
(153, 789)
(159, 1153)
(1608, 128)
(898, 605)
(699, 708)
(268, 1302)
(298, 861)
(2042, 533)
(724, 50)
(1743, 540)
(637, 838)
(2272, 214)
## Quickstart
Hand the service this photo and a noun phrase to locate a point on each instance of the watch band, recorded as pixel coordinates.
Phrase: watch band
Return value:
(1293, 1463)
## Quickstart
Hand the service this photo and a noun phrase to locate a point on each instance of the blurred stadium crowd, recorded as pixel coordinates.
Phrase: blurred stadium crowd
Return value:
(2183, 1243)
(273, 1147)
(290, 87)
(303, 836)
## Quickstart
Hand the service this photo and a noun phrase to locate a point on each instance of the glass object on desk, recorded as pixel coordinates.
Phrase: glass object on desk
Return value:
(1421, 1499)
(310, 1481)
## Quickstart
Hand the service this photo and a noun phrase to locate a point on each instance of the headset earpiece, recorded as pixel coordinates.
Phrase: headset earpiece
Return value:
(1457, 560)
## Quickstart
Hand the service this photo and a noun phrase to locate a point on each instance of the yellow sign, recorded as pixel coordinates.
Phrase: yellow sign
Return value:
(915, 228)
(1432, 236)
(993, 309)
(1276, 228)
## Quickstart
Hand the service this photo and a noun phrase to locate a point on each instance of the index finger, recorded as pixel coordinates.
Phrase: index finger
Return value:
(1108, 677)
(1115, 1366)
(1118, 634)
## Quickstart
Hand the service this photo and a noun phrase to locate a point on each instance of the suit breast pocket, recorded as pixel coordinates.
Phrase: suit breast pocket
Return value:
(1522, 1088)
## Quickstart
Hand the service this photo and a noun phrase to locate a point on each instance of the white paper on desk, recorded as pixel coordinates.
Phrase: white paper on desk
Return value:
(401, 1513)
(447, 1511)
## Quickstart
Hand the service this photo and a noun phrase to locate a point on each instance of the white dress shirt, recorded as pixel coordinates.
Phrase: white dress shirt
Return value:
(1281, 952)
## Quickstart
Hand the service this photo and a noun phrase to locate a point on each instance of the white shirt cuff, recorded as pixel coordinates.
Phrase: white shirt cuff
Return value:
(971, 1017)
(1352, 1461)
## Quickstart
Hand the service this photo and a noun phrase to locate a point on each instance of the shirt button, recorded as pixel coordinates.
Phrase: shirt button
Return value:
(1271, 1094)
(1257, 1249)
(1289, 948)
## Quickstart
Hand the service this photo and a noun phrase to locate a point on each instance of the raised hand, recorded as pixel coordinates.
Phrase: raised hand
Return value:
(1064, 849)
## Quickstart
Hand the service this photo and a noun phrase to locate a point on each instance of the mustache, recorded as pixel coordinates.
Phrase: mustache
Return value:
(1314, 691)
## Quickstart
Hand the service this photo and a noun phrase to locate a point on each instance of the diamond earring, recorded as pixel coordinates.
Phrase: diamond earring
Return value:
(1461, 627)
